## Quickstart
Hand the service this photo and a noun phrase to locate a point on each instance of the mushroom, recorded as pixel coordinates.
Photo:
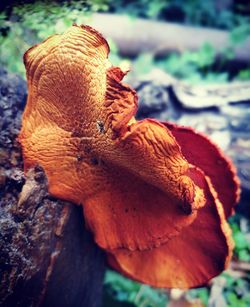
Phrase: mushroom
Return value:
(200, 151)
(201, 251)
(148, 194)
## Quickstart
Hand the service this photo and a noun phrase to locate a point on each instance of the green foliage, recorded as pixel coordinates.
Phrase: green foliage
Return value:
(236, 291)
(244, 74)
(208, 13)
(139, 8)
(201, 293)
(201, 66)
(241, 236)
(194, 12)
(240, 33)
(144, 63)
(195, 67)
(125, 292)
(31, 23)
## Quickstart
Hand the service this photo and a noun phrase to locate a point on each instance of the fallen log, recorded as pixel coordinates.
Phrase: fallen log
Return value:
(47, 257)
(134, 36)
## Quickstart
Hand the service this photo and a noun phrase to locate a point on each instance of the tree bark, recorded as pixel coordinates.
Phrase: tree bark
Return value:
(47, 256)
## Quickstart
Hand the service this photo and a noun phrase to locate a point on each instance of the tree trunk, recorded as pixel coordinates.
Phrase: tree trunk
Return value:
(47, 256)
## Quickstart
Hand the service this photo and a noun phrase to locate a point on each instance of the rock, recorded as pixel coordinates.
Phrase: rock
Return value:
(153, 100)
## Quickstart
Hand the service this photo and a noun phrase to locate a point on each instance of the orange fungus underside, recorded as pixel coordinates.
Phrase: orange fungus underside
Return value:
(155, 195)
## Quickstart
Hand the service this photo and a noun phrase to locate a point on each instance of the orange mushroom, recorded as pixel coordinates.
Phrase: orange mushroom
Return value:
(200, 151)
(139, 188)
(201, 251)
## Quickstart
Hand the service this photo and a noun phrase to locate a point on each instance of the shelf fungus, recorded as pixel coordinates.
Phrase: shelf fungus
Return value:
(156, 196)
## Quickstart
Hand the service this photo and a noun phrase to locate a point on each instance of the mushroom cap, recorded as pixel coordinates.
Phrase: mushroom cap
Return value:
(201, 251)
(79, 126)
(138, 181)
(199, 150)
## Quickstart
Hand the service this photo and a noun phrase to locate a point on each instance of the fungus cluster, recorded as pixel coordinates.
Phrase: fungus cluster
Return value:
(155, 195)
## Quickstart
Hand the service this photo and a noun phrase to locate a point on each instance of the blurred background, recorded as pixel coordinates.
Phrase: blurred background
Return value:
(190, 63)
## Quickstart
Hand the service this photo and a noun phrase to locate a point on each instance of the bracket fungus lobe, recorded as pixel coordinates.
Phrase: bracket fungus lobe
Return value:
(147, 195)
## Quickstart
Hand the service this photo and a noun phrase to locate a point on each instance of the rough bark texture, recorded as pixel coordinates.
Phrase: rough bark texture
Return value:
(47, 257)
